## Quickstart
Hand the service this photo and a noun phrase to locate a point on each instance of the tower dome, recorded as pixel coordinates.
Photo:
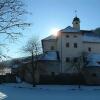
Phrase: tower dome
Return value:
(76, 23)
(76, 19)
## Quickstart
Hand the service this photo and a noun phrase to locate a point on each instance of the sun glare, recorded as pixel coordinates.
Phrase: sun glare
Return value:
(54, 31)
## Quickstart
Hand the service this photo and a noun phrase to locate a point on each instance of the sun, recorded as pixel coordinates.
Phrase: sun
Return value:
(54, 31)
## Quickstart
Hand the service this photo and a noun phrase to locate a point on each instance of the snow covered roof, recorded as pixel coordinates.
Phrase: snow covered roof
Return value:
(15, 66)
(70, 29)
(51, 37)
(50, 55)
(67, 29)
(93, 60)
(91, 37)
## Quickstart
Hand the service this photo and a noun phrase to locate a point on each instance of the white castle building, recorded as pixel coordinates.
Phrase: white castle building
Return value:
(70, 43)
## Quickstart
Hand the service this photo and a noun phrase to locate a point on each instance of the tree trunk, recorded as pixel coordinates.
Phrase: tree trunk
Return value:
(33, 72)
(79, 86)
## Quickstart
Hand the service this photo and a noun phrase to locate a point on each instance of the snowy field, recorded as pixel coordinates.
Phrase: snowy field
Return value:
(48, 92)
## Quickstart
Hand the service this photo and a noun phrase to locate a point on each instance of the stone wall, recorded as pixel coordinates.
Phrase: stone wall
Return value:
(92, 75)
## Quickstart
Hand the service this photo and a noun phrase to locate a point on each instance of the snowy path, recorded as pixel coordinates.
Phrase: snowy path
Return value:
(52, 92)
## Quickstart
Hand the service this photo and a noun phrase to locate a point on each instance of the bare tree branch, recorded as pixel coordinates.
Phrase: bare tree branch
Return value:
(33, 47)
(12, 21)
(11, 17)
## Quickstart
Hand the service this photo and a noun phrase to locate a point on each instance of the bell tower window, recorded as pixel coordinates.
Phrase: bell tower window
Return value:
(76, 23)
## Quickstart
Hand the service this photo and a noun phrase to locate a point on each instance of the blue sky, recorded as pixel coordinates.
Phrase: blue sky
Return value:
(49, 14)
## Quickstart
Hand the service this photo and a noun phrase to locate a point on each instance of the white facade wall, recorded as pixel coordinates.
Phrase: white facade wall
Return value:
(70, 51)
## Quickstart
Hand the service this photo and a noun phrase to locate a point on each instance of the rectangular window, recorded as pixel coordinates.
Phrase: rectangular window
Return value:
(94, 75)
(67, 59)
(52, 47)
(52, 73)
(75, 36)
(75, 59)
(67, 44)
(75, 45)
(89, 49)
(67, 36)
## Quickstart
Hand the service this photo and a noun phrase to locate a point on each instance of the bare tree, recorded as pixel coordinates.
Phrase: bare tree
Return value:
(33, 48)
(11, 18)
(78, 65)
(2, 67)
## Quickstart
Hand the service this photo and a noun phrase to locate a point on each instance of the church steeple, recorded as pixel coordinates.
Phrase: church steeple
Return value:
(76, 22)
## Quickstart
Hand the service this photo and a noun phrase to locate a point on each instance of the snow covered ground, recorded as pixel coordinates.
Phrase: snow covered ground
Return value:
(48, 92)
